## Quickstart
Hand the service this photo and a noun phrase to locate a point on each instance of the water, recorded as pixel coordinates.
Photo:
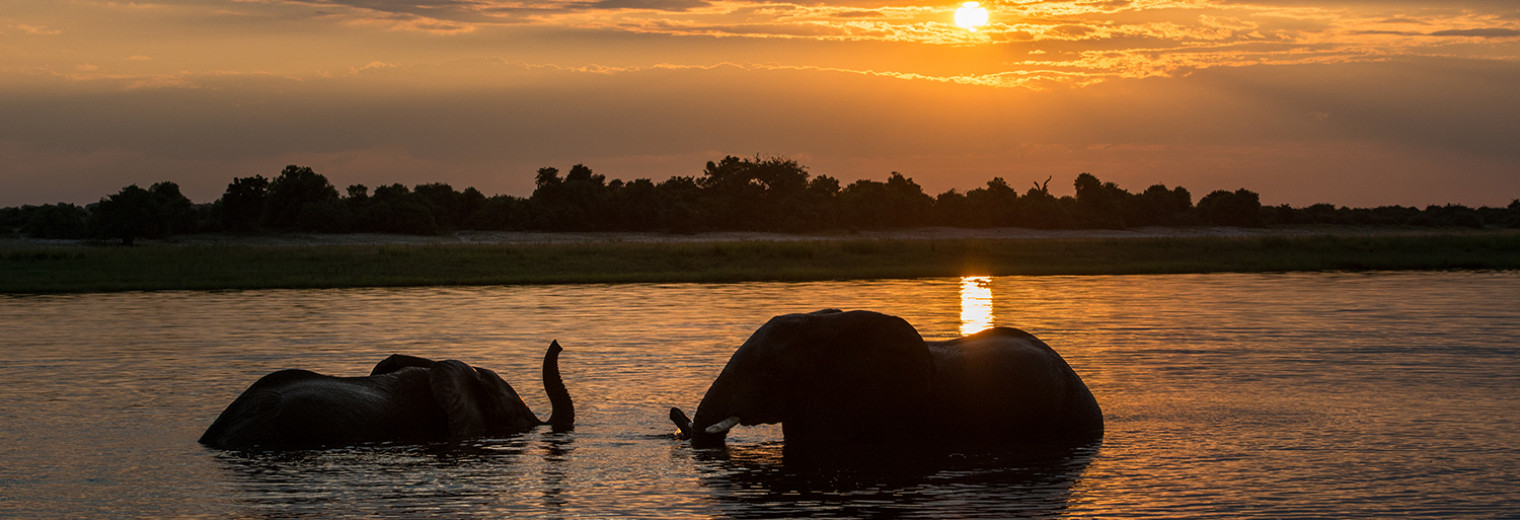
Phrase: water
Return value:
(1228, 396)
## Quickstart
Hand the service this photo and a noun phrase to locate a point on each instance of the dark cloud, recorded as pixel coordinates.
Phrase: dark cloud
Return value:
(653, 5)
(463, 11)
(429, 8)
(1474, 33)
(858, 14)
(1496, 32)
(487, 10)
(1506, 9)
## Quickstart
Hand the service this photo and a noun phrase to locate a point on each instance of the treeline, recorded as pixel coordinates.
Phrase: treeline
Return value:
(759, 194)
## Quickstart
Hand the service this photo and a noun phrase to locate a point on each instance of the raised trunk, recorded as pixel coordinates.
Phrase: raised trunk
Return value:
(562, 416)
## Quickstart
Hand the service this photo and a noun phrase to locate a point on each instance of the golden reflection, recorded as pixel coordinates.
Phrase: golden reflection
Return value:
(976, 304)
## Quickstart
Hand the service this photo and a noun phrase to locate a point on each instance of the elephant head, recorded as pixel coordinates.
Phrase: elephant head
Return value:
(825, 375)
(477, 401)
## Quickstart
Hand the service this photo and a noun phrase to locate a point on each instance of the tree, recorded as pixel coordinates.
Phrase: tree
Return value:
(1158, 205)
(582, 173)
(129, 215)
(636, 205)
(1450, 215)
(450, 208)
(1039, 209)
(899, 202)
(1241, 207)
(11, 218)
(61, 220)
(683, 212)
(1101, 204)
(498, 213)
(759, 194)
(242, 205)
(579, 202)
(302, 199)
(392, 209)
(546, 177)
(992, 205)
(174, 208)
(951, 209)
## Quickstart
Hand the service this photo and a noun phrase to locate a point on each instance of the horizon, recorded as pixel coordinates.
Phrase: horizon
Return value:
(1357, 104)
(1019, 192)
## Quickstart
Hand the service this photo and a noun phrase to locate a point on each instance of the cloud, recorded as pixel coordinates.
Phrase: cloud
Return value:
(652, 5)
(1497, 32)
(1494, 32)
(38, 30)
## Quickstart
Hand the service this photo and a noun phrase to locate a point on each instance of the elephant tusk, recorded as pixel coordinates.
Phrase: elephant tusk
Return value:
(723, 426)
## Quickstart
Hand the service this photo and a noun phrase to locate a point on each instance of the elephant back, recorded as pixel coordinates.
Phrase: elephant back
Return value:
(1005, 384)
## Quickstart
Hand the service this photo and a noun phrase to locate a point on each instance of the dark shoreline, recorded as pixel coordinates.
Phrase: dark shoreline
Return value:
(222, 262)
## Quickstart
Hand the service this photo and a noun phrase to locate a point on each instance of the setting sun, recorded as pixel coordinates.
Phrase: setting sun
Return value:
(1346, 102)
(970, 16)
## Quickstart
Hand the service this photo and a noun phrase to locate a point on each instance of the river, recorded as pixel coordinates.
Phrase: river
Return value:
(1301, 395)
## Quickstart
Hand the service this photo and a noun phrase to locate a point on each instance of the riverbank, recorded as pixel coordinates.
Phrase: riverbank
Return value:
(219, 262)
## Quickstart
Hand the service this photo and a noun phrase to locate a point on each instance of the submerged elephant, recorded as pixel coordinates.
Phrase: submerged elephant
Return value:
(865, 377)
(404, 399)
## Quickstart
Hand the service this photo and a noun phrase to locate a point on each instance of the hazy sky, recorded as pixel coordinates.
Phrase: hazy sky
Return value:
(1358, 103)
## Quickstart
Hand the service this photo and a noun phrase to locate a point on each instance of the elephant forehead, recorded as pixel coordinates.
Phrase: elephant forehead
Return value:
(827, 327)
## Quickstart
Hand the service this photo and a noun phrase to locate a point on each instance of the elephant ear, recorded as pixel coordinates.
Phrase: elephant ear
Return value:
(456, 389)
(871, 375)
(505, 411)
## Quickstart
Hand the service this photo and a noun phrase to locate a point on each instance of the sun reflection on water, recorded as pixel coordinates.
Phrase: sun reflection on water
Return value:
(976, 304)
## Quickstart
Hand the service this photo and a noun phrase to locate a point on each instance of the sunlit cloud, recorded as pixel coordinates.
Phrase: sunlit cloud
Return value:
(1323, 76)
(1490, 32)
(1077, 41)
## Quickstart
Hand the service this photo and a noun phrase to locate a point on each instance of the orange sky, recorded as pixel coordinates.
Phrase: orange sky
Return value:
(1409, 102)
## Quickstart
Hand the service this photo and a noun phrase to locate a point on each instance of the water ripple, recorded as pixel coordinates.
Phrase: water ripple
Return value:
(1303, 395)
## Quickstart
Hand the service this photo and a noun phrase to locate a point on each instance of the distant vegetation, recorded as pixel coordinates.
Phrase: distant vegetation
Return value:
(243, 266)
(759, 194)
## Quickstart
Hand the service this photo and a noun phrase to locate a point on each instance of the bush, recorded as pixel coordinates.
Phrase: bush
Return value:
(61, 220)
(1241, 207)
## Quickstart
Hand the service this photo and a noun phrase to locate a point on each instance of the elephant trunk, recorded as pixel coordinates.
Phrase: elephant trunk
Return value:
(562, 416)
(710, 435)
(726, 404)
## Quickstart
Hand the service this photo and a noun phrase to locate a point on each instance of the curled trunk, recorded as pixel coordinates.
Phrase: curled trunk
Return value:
(562, 416)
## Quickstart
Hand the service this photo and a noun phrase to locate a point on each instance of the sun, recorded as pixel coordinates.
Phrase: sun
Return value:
(971, 15)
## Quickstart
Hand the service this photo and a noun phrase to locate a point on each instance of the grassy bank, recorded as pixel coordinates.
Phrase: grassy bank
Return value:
(167, 267)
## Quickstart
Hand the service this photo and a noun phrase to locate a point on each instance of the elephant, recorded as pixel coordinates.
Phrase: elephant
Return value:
(832, 377)
(405, 399)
